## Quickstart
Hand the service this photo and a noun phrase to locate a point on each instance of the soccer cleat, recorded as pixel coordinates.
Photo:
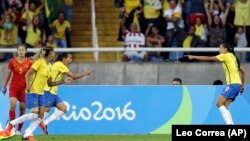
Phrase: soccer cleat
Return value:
(44, 128)
(4, 136)
(29, 138)
(8, 129)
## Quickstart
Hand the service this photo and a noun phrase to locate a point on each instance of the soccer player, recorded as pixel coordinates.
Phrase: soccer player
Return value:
(235, 78)
(18, 66)
(59, 69)
(36, 79)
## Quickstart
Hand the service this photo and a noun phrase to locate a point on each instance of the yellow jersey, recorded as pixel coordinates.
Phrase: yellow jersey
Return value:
(57, 73)
(131, 4)
(14, 40)
(242, 16)
(230, 67)
(60, 28)
(149, 11)
(53, 44)
(32, 36)
(68, 2)
(187, 42)
(40, 78)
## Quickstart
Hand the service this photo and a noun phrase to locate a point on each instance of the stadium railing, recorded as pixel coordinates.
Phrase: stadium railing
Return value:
(122, 49)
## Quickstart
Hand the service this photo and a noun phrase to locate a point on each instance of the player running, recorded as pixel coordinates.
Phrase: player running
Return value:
(59, 70)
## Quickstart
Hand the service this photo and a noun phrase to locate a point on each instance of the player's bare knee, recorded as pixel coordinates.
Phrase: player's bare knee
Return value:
(13, 107)
(63, 108)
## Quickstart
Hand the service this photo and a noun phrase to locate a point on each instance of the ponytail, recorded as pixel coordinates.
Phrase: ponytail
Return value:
(44, 52)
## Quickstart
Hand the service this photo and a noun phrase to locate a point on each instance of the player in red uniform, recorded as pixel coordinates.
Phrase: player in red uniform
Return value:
(18, 66)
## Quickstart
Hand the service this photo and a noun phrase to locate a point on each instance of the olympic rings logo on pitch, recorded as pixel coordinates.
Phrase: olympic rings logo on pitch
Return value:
(101, 113)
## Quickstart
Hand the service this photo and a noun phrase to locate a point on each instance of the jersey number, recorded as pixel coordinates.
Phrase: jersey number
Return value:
(20, 71)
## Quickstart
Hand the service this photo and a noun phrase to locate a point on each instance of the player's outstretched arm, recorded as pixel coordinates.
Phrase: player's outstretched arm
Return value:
(202, 58)
(81, 74)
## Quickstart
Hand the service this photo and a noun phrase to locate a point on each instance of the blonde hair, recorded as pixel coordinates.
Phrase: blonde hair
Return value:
(44, 52)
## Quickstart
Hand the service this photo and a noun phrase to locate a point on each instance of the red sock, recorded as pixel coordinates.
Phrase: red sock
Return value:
(20, 127)
(12, 114)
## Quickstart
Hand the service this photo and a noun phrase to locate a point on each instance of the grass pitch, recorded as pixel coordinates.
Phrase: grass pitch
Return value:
(162, 137)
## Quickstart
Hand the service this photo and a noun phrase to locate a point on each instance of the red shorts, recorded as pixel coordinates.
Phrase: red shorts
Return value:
(18, 93)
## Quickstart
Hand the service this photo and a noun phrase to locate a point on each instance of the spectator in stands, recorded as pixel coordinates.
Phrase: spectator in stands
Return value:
(134, 39)
(151, 12)
(200, 29)
(129, 5)
(216, 27)
(68, 10)
(33, 11)
(51, 41)
(197, 10)
(191, 40)
(60, 26)
(153, 39)
(242, 18)
(176, 81)
(217, 8)
(10, 44)
(173, 16)
(8, 21)
(135, 16)
(241, 41)
(17, 3)
(35, 33)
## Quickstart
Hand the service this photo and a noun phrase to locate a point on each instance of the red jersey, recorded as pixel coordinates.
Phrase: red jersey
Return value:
(19, 70)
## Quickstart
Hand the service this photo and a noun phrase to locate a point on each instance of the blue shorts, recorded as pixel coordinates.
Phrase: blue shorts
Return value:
(51, 99)
(231, 91)
(34, 100)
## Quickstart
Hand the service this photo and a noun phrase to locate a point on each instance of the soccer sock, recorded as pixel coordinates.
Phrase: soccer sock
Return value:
(32, 127)
(20, 125)
(229, 113)
(225, 114)
(45, 115)
(12, 114)
(23, 118)
(54, 116)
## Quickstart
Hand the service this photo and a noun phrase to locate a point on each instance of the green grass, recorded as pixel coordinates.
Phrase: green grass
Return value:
(161, 137)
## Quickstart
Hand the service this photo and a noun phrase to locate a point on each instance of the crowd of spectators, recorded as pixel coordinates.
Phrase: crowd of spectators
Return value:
(35, 23)
(187, 24)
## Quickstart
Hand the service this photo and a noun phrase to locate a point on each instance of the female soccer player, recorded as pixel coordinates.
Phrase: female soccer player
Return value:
(235, 77)
(36, 79)
(59, 69)
(18, 66)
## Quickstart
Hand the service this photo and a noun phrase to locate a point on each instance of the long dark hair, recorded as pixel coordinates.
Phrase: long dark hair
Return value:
(231, 50)
(61, 56)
